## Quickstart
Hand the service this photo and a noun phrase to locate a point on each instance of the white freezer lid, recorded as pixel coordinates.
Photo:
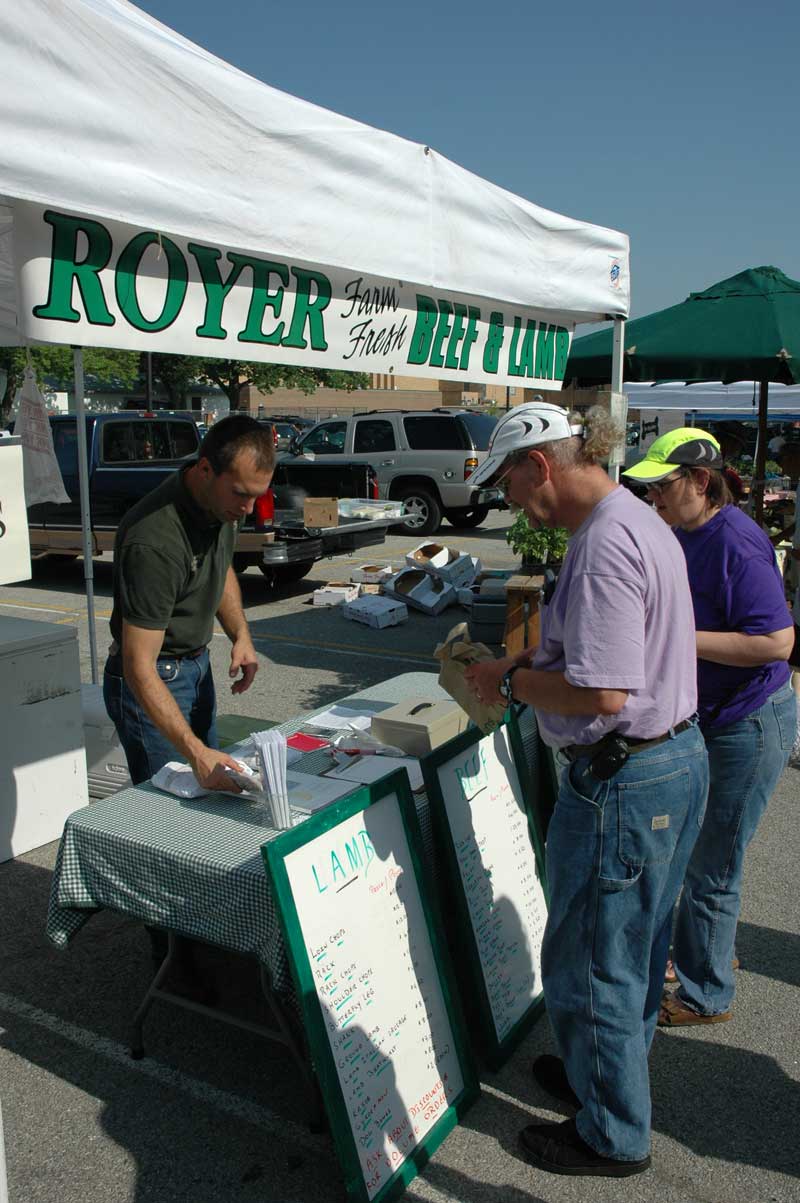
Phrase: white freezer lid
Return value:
(23, 634)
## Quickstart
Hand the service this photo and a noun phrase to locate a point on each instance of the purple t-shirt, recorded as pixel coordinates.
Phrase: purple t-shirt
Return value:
(621, 618)
(736, 586)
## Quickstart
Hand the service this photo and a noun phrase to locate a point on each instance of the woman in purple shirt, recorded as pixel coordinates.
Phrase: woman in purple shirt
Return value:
(746, 704)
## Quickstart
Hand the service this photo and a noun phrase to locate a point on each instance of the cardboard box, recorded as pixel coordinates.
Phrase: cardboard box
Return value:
(421, 590)
(455, 567)
(372, 574)
(370, 590)
(376, 611)
(335, 593)
(321, 511)
(418, 725)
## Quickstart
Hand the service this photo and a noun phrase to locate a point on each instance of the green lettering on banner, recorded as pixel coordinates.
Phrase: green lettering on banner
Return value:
(459, 313)
(442, 330)
(216, 291)
(353, 853)
(470, 337)
(423, 330)
(65, 270)
(545, 350)
(125, 281)
(494, 341)
(261, 298)
(513, 366)
(562, 352)
(526, 353)
(307, 310)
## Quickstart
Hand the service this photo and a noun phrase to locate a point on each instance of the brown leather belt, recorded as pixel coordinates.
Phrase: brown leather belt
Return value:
(575, 751)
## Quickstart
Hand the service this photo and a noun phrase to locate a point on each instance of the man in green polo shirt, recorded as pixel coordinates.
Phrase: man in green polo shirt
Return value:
(172, 575)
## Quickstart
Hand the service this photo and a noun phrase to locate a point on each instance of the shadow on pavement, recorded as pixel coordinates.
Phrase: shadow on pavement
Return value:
(768, 952)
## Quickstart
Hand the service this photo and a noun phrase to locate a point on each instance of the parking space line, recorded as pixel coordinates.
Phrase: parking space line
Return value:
(203, 1092)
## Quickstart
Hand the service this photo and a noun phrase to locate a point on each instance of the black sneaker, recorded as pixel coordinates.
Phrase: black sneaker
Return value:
(549, 1072)
(559, 1149)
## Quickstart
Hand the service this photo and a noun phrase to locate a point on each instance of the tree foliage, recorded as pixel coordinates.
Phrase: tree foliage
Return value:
(56, 363)
(235, 376)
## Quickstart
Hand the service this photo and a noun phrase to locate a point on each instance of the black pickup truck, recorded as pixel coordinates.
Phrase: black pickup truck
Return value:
(129, 454)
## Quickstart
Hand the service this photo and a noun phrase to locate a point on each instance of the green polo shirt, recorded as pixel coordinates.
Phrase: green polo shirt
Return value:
(170, 564)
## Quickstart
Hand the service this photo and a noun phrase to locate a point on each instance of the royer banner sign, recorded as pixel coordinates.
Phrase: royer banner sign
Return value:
(94, 282)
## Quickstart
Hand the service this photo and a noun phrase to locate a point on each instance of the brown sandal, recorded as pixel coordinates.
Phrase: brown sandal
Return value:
(675, 1014)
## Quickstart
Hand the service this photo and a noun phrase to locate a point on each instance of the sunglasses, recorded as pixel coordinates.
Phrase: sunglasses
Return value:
(502, 482)
(659, 488)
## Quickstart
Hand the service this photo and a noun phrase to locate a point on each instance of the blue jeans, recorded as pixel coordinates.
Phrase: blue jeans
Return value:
(745, 759)
(192, 686)
(617, 853)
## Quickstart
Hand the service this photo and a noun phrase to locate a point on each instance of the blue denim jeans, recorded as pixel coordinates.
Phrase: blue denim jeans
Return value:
(617, 853)
(192, 686)
(745, 759)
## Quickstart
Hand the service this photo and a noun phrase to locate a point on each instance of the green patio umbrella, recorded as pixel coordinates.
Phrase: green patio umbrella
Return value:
(744, 328)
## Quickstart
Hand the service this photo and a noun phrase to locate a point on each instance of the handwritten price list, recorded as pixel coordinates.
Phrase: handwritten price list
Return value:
(376, 979)
(497, 866)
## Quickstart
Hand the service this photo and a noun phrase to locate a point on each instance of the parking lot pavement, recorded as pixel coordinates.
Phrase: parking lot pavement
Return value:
(213, 1115)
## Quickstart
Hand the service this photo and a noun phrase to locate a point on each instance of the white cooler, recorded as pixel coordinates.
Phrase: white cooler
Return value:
(106, 766)
(42, 765)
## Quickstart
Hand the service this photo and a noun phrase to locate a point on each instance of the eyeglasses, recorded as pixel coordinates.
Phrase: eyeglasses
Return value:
(659, 488)
(502, 482)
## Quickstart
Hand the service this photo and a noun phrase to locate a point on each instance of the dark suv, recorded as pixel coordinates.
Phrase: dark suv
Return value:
(422, 457)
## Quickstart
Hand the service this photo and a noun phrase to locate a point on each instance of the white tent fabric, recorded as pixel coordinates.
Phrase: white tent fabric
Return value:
(740, 399)
(110, 114)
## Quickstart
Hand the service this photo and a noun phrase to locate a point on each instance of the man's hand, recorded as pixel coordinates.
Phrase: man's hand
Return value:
(484, 678)
(208, 766)
(245, 661)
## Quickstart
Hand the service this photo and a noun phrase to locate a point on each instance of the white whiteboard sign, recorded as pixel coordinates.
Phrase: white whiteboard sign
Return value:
(487, 824)
(364, 931)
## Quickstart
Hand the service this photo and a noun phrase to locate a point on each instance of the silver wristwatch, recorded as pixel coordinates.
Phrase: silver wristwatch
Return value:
(504, 688)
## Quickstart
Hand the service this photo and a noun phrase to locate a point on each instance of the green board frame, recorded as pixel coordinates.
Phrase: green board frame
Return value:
(274, 854)
(496, 1052)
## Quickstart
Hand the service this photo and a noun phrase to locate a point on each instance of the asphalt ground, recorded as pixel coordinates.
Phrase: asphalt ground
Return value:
(216, 1115)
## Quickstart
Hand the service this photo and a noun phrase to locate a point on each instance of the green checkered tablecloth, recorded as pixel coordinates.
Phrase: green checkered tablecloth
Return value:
(195, 866)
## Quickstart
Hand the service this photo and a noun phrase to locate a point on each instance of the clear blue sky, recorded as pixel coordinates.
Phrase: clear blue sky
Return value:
(676, 123)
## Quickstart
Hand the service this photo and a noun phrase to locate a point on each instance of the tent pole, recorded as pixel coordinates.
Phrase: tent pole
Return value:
(86, 521)
(761, 453)
(617, 365)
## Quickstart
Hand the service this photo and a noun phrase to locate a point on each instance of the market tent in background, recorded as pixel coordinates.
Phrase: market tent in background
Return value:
(738, 400)
(744, 328)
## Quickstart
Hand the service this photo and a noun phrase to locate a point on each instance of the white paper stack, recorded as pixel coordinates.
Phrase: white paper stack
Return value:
(271, 747)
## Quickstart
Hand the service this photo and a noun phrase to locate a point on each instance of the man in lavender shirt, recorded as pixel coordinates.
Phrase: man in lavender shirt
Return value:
(613, 684)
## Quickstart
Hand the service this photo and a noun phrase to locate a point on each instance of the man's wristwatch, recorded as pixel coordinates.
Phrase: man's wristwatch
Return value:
(504, 688)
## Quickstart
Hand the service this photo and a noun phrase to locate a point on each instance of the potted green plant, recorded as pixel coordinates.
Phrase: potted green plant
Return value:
(540, 547)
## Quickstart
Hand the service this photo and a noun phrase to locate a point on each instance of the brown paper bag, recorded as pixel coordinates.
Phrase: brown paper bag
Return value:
(454, 655)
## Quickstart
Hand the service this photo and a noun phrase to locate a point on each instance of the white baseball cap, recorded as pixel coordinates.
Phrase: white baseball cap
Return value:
(522, 427)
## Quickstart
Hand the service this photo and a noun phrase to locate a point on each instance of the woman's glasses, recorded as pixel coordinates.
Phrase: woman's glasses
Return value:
(659, 488)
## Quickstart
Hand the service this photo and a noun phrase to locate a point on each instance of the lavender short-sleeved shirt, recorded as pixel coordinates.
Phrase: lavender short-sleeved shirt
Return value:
(621, 618)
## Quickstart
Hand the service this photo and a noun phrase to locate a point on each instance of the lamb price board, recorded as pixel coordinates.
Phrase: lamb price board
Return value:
(378, 1002)
(490, 833)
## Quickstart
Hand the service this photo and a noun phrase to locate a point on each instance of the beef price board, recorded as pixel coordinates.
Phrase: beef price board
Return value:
(372, 975)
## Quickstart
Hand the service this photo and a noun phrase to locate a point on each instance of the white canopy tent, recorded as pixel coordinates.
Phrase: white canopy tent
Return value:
(738, 400)
(154, 197)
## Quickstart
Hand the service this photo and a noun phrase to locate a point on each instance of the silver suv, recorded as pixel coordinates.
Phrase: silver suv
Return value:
(422, 457)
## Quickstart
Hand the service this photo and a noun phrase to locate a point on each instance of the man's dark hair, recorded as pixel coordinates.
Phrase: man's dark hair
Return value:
(234, 434)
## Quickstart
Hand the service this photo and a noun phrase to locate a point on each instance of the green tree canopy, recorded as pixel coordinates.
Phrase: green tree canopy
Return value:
(234, 376)
(121, 367)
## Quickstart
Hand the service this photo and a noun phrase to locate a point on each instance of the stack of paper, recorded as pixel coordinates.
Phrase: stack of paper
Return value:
(271, 748)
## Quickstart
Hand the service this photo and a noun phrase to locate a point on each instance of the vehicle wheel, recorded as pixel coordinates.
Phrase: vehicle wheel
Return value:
(467, 518)
(280, 575)
(423, 512)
